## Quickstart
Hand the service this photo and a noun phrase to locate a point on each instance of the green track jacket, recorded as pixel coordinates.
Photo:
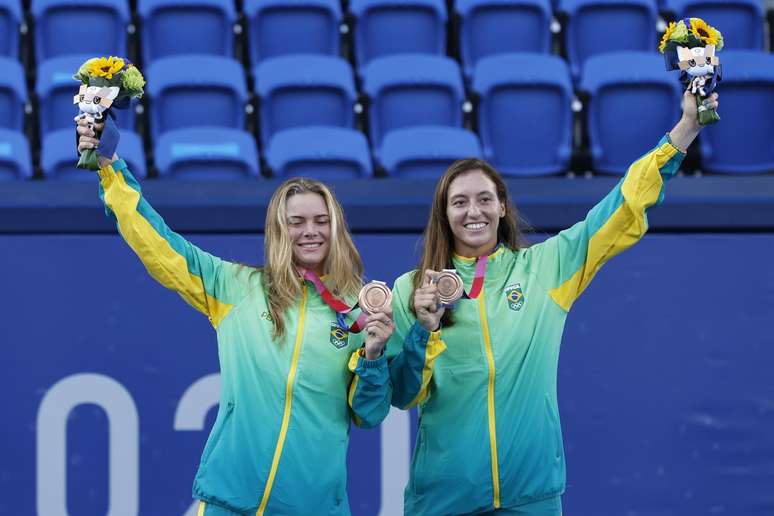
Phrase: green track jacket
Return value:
(489, 433)
(279, 443)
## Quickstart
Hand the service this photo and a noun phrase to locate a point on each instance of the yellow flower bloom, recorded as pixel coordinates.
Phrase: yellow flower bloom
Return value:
(669, 30)
(106, 67)
(701, 31)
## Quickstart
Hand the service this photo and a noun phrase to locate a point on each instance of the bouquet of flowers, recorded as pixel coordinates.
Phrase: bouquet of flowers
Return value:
(106, 82)
(690, 46)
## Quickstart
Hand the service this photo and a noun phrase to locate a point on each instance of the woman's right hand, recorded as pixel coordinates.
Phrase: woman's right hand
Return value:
(87, 138)
(427, 302)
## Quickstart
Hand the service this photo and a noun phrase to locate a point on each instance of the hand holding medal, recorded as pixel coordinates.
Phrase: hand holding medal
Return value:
(441, 290)
(374, 300)
(427, 302)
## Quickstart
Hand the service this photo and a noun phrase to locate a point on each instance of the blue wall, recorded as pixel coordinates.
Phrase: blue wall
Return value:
(665, 385)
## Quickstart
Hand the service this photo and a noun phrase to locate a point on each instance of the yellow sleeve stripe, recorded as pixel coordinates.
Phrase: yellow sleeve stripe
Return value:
(162, 262)
(641, 189)
(353, 359)
(435, 346)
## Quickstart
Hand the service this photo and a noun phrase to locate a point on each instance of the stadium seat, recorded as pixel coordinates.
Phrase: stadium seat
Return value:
(174, 27)
(489, 27)
(524, 117)
(632, 103)
(15, 159)
(207, 153)
(58, 156)
(13, 94)
(189, 91)
(281, 27)
(409, 90)
(740, 21)
(743, 141)
(426, 151)
(386, 27)
(94, 27)
(320, 152)
(10, 20)
(304, 90)
(599, 26)
(55, 88)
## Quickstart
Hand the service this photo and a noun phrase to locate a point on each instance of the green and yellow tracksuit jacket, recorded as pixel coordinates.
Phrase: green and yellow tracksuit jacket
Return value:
(489, 433)
(279, 443)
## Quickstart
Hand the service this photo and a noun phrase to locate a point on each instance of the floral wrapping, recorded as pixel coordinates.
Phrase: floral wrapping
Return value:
(690, 46)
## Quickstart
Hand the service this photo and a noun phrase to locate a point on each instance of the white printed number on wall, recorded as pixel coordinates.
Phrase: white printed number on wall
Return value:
(191, 414)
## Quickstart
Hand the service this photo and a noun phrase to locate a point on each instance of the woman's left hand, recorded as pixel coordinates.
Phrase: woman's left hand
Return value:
(379, 327)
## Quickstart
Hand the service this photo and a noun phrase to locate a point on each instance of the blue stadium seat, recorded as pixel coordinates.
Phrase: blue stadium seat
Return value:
(386, 27)
(15, 159)
(198, 90)
(13, 94)
(304, 90)
(489, 27)
(55, 88)
(10, 20)
(173, 27)
(94, 27)
(409, 90)
(743, 141)
(281, 27)
(524, 116)
(599, 26)
(207, 153)
(319, 152)
(740, 21)
(632, 103)
(58, 156)
(426, 151)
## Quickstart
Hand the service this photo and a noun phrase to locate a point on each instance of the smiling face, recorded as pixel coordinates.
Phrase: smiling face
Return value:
(697, 61)
(96, 99)
(309, 228)
(473, 211)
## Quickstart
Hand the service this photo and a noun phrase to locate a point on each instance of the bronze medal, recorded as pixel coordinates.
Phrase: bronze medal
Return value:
(374, 296)
(450, 286)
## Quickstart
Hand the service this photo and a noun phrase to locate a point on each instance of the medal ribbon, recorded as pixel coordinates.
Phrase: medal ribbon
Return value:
(336, 304)
(478, 278)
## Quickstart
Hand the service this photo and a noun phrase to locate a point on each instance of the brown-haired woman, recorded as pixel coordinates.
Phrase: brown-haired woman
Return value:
(489, 439)
(292, 375)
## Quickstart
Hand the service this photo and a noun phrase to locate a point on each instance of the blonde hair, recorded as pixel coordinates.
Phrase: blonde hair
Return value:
(343, 266)
(438, 239)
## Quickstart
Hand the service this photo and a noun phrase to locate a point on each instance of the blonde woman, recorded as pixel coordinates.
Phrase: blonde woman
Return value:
(484, 374)
(292, 376)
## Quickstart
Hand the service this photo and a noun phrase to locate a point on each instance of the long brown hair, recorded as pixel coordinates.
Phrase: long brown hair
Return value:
(438, 239)
(343, 266)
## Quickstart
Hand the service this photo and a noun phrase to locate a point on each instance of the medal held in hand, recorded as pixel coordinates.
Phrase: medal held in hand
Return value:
(106, 83)
(450, 287)
(374, 296)
(690, 46)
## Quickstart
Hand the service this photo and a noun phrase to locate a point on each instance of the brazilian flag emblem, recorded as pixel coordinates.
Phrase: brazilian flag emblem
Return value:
(514, 296)
(339, 336)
